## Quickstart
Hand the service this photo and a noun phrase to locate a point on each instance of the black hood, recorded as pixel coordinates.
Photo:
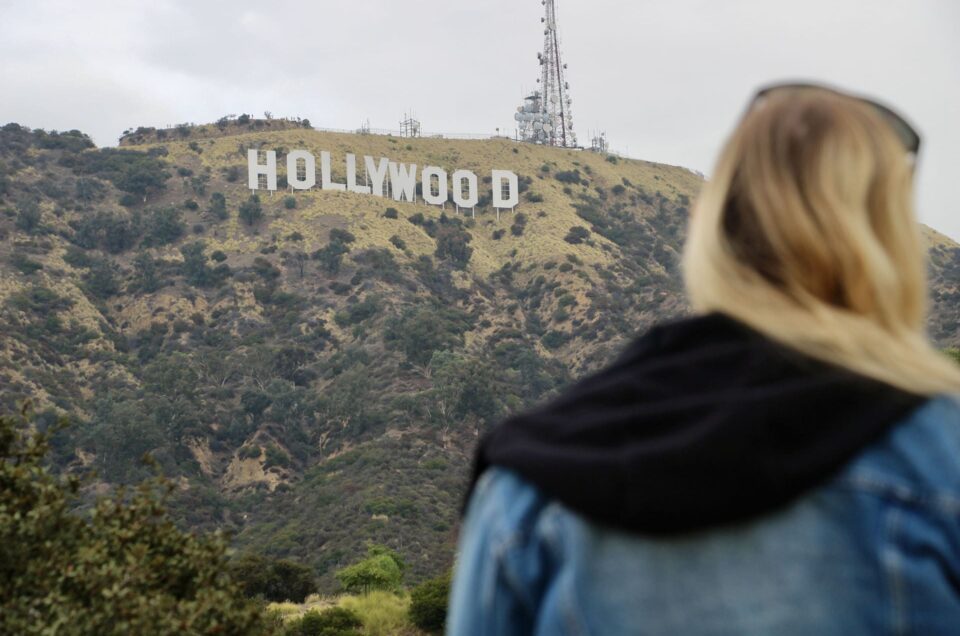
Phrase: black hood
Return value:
(700, 422)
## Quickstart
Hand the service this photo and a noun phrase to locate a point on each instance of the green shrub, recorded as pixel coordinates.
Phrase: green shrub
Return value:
(25, 264)
(273, 579)
(251, 212)
(382, 613)
(290, 202)
(341, 236)
(218, 206)
(577, 235)
(335, 621)
(568, 176)
(391, 213)
(121, 568)
(428, 604)
(381, 570)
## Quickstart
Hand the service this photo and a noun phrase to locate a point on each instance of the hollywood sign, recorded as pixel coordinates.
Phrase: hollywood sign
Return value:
(383, 178)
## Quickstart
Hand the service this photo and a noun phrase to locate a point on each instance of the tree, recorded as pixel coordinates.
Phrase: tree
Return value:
(331, 255)
(195, 268)
(163, 226)
(28, 216)
(122, 568)
(145, 272)
(296, 260)
(428, 604)
(218, 206)
(452, 245)
(420, 331)
(381, 570)
(273, 579)
(251, 211)
(101, 280)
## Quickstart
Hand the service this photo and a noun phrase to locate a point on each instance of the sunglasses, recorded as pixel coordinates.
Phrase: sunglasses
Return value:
(904, 131)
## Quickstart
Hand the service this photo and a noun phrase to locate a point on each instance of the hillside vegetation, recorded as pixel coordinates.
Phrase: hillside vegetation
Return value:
(314, 368)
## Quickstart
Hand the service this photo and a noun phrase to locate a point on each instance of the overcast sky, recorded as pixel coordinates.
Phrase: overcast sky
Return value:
(665, 79)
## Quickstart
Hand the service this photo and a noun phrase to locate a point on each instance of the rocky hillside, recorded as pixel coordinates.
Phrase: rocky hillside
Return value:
(314, 367)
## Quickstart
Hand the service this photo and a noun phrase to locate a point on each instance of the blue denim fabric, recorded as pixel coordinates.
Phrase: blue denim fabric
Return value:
(876, 551)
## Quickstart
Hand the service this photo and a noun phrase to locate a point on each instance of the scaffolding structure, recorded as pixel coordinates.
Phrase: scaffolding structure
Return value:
(409, 126)
(598, 142)
(545, 115)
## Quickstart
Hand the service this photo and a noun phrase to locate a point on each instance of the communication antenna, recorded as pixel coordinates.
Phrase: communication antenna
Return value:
(409, 126)
(545, 116)
(598, 142)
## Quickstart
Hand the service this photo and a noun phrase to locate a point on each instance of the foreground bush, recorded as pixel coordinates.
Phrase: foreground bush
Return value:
(335, 621)
(382, 613)
(274, 579)
(123, 568)
(428, 604)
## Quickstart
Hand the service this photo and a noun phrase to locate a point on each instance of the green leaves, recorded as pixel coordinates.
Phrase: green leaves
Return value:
(381, 570)
(123, 569)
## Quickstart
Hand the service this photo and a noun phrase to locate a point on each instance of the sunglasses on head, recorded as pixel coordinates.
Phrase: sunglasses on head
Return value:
(904, 131)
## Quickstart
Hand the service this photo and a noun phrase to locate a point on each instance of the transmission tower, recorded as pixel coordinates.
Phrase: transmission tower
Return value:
(545, 117)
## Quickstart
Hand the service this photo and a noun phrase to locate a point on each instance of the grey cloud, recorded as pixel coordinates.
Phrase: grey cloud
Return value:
(666, 80)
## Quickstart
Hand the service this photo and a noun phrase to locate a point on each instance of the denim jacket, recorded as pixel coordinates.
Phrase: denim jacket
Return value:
(875, 551)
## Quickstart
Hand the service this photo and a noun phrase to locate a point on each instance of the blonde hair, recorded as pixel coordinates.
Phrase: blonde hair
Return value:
(806, 233)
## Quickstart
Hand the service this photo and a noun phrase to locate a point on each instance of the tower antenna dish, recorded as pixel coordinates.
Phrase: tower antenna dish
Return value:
(547, 117)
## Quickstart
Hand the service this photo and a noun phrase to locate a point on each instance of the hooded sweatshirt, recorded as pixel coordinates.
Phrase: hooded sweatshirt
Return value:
(699, 423)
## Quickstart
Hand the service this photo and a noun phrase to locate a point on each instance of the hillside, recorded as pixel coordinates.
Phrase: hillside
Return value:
(315, 367)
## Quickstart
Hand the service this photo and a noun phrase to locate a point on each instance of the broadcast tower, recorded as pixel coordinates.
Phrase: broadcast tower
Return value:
(545, 115)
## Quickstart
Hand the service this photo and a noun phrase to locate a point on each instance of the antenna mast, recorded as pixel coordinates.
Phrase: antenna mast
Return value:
(545, 117)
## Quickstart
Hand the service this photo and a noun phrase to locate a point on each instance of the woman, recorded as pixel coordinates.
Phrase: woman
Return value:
(787, 461)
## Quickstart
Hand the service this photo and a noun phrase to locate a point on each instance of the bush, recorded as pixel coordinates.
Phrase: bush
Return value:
(341, 236)
(382, 613)
(218, 206)
(568, 176)
(251, 211)
(273, 579)
(28, 216)
(381, 570)
(452, 245)
(391, 213)
(554, 339)
(162, 227)
(25, 264)
(290, 202)
(576, 235)
(398, 242)
(519, 224)
(428, 604)
(122, 568)
(335, 621)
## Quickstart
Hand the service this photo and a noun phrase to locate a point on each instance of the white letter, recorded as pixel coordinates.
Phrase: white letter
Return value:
(310, 170)
(328, 183)
(473, 196)
(352, 177)
(403, 178)
(427, 179)
(377, 174)
(499, 176)
(255, 169)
